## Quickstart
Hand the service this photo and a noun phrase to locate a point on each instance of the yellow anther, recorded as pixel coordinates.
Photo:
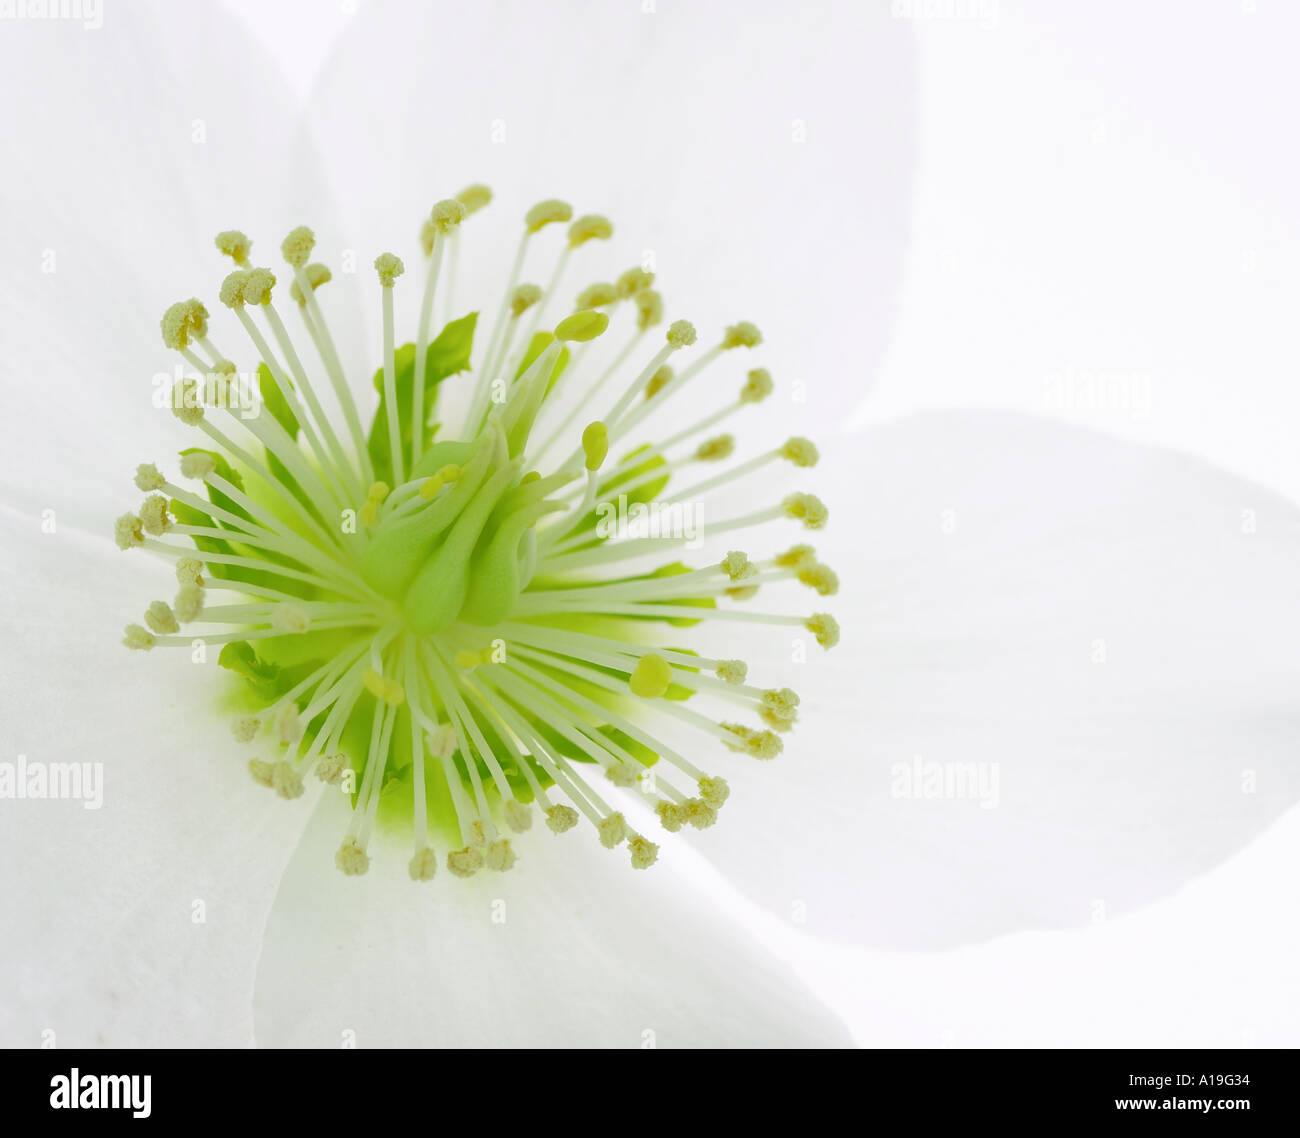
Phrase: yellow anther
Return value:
(759, 744)
(796, 557)
(531, 476)
(245, 728)
(189, 571)
(544, 213)
(742, 335)
(260, 769)
(633, 281)
(317, 275)
(671, 816)
(598, 295)
(779, 708)
(715, 449)
(825, 628)
(622, 775)
(128, 530)
(699, 814)
(154, 516)
(474, 197)
(285, 780)
(447, 215)
(737, 565)
(714, 791)
(258, 284)
(187, 401)
(147, 477)
(612, 830)
(330, 768)
(658, 381)
(820, 577)
(197, 464)
(732, 671)
(430, 486)
(758, 386)
(681, 333)
(188, 605)
(595, 444)
(649, 308)
(138, 637)
(465, 862)
(378, 491)
(368, 514)
(467, 661)
(231, 293)
(807, 508)
(499, 855)
(800, 451)
(352, 858)
(389, 267)
(590, 227)
(182, 320)
(296, 248)
(160, 618)
(582, 326)
(644, 852)
(234, 245)
(423, 864)
(561, 818)
(518, 817)
(174, 332)
(523, 298)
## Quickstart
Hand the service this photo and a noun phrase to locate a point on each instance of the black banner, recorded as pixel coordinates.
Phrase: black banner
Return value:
(167, 1088)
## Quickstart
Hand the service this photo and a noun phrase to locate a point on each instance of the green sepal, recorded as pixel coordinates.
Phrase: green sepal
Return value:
(273, 400)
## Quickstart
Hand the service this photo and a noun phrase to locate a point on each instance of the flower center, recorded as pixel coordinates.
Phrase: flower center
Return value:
(458, 625)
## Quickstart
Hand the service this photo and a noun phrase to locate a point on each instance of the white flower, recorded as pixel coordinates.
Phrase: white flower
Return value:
(1005, 612)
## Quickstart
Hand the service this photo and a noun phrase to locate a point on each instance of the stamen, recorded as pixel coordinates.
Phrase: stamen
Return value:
(447, 601)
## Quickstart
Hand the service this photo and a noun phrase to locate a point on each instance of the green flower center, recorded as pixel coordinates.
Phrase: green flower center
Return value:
(458, 626)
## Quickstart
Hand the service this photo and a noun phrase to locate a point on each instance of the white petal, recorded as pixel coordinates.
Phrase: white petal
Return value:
(1230, 938)
(571, 948)
(136, 144)
(1105, 630)
(101, 943)
(1118, 254)
(713, 137)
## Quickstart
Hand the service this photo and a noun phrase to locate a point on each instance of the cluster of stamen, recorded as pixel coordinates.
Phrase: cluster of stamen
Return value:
(434, 618)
